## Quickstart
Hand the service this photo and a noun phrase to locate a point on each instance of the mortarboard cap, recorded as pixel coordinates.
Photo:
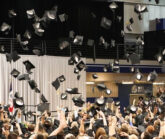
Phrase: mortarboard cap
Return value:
(43, 99)
(12, 13)
(100, 101)
(28, 65)
(101, 86)
(5, 28)
(63, 17)
(78, 40)
(131, 20)
(61, 78)
(106, 23)
(8, 57)
(15, 56)
(32, 84)
(64, 96)
(78, 101)
(78, 77)
(23, 77)
(15, 73)
(94, 76)
(81, 65)
(133, 109)
(72, 91)
(117, 103)
(37, 90)
(129, 27)
(56, 84)
(30, 13)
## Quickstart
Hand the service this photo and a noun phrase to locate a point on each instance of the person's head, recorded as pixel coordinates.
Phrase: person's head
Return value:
(103, 137)
(13, 136)
(31, 127)
(139, 111)
(100, 132)
(47, 124)
(41, 136)
(70, 136)
(124, 128)
(146, 135)
(150, 129)
(133, 136)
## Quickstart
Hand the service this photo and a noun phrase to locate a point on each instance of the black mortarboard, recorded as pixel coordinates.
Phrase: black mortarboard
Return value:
(129, 27)
(43, 99)
(76, 71)
(5, 28)
(101, 86)
(81, 65)
(133, 109)
(78, 77)
(64, 96)
(78, 101)
(18, 102)
(146, 102)
(8, 57)
(117, 103)
(108, 91)
(152, 76)
(105, 23)
(100, 101)
(12, 13)
(36, 90)
(15, 56)
(15, 73)
(30, 13)
(23, 77)
(140, 97)
(94, 76)
(72, 90)
(134, 58)
(78, 40)
(61, 78)
(70, 61)
(63, 17)
(28, 65)
(92, 112)
(56, 84)
(131, 20)
(32, 84)
(12, 56)
(63, 43)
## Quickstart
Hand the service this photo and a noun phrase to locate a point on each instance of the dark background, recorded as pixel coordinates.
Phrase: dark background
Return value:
(80, 20)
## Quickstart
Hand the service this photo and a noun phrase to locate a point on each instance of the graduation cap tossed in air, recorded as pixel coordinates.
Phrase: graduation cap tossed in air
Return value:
(28, 66)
